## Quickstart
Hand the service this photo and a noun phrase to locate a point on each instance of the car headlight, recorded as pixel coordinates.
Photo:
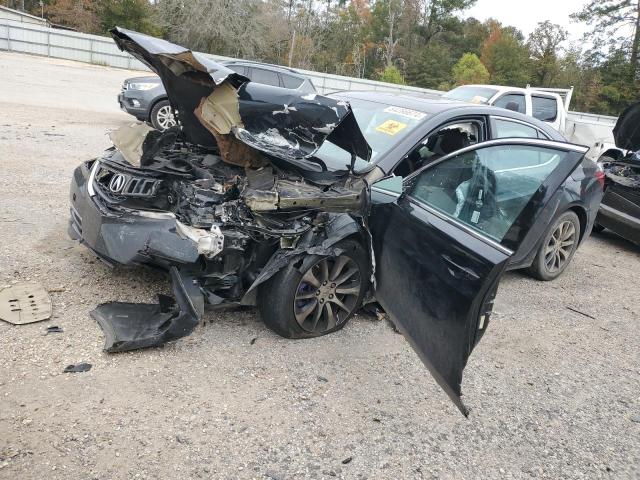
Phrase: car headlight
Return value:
(142, 86)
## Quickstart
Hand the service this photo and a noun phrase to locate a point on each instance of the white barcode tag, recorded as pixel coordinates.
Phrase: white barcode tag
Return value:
(475, 217)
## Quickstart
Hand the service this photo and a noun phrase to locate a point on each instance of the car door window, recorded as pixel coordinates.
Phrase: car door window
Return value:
(488, 188)
(512, 101)
(442, 141)
(544, 108)
(507, 129)
(260, 75)
(289, 81)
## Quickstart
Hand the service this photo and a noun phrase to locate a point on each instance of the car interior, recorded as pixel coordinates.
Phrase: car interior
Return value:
(448, 139)
(488, 188)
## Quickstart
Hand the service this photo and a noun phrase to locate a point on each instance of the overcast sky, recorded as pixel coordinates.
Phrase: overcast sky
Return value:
(525, 14)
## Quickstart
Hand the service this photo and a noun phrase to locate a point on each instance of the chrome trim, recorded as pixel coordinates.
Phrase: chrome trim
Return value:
(117, 183)
(386, 192)
(534, 142)
(91, 179)
(462, 226)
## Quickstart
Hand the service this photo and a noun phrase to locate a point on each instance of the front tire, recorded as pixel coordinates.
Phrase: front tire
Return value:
(557, 248)
(316, 295)
(161, 116)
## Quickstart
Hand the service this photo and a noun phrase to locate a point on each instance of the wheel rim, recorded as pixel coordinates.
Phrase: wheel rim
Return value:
(165, 118)
(560, 246)
(327, 294)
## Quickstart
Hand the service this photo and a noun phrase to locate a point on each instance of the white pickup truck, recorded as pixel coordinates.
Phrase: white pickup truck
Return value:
(550, 105)
(544, 104)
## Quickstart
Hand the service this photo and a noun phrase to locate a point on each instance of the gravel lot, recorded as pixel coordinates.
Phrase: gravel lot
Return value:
(554, 394)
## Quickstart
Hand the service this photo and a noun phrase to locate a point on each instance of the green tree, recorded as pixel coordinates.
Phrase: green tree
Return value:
(431, 66)
(506, 56)
(392, 75)
(609, 20)
(131, 14)
(545, 44)
(469, 69)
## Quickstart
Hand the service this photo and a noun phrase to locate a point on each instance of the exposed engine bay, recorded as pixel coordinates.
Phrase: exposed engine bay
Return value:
(224, 200)
(236, 216)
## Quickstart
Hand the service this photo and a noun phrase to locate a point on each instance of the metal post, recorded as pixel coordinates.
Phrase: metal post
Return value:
(91, 50)
(8, 36)
(48, 43)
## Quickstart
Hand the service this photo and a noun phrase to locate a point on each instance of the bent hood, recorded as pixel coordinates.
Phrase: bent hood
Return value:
(213, 100)
(626, 133)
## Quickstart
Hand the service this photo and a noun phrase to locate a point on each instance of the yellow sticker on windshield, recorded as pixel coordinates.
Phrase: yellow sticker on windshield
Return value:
(390, 127)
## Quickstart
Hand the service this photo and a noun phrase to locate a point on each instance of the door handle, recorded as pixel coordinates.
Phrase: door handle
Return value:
(458, 270)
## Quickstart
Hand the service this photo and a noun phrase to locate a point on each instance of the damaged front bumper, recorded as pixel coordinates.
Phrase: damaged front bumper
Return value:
(134, 237)
(129, 326)
(131, 238)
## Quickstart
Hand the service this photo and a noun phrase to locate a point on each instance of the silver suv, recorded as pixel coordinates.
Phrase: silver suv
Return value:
(146, 99)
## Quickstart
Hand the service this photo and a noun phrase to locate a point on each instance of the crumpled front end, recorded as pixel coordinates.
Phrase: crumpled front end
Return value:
(222, 203)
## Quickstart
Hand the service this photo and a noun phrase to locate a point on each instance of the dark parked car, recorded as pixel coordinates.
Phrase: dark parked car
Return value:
(146, 99)
(309, 206)
(620, 207)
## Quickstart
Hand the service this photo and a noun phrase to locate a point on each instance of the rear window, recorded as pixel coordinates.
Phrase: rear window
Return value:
(544, 108)
(242, 70)
(512, 101)
(290, 81)
(267, 77)
(471, 94)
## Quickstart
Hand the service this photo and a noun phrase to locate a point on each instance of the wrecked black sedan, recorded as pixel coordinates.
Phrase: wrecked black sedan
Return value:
(263, 197)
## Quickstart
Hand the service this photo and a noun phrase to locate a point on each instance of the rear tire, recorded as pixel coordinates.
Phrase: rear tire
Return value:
(161, 116)
(557, 248)
(316, 295)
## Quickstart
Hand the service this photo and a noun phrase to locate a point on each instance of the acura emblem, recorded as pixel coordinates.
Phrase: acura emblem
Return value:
(117, 183)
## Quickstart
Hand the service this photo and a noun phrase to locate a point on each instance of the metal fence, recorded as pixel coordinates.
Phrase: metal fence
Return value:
(82, 47)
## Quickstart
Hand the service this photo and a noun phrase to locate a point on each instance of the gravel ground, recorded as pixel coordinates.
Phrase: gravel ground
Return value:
(554, 394)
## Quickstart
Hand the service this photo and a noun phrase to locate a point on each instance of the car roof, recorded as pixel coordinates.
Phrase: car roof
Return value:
(505, 88)
(266, 66)
(412, 102)
(434, 106)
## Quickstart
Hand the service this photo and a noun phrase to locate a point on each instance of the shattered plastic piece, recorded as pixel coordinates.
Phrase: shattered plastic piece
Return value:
(24, 303)
(78, 368)
(53, 329)
(129, 326)
(129, 139)
(209, 243)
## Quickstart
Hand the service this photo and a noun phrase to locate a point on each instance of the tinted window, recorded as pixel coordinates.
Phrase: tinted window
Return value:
(544, 108)
(241, 69)
(487, 189)
(267, 77)
(290, 81)
(512, 101)
(507, 129)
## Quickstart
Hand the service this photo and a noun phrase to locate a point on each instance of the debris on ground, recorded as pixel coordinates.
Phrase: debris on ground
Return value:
(78, 368)
(24, 303)
(53, 329)
(581, 313)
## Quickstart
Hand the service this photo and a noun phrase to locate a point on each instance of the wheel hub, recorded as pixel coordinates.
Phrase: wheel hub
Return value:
(326, 291)
(327, 294)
